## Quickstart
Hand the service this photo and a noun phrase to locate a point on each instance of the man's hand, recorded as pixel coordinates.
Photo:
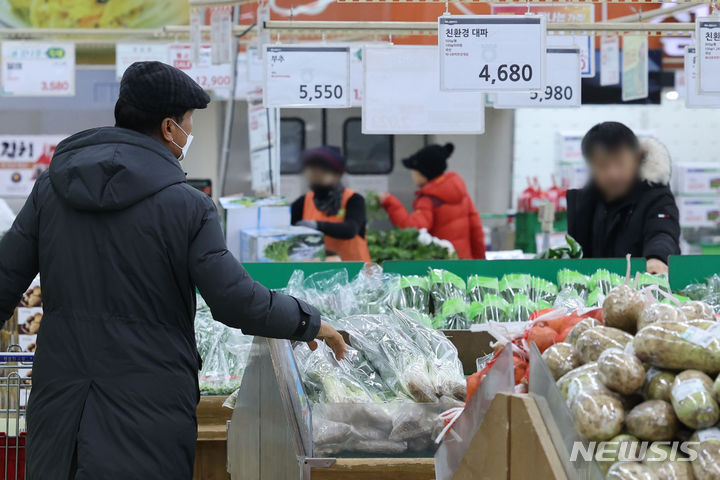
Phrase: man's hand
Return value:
(333, 339)
(656, 266)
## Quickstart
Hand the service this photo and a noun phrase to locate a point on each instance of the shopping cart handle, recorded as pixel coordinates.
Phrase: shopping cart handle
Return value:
(20, 357)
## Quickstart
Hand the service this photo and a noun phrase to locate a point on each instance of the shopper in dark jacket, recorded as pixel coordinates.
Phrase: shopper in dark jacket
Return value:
(121, 242)
(627, 207)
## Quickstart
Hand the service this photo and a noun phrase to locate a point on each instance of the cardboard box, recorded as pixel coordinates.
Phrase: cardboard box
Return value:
(285, 244)
(246, 213)
(701, 211)
(696, 178)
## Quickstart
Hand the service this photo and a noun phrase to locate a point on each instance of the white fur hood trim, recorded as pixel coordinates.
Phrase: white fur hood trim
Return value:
(656, 163)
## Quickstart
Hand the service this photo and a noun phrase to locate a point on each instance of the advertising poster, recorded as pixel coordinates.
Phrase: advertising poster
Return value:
(22, 159)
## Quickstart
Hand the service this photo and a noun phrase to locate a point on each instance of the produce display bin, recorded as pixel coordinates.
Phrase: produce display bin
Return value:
(688, 269)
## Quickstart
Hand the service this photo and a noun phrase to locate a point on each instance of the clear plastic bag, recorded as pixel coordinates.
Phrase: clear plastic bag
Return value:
(479, 287)
(453, 315)
(602, 281)
(521, 308)
(492, 309)
(570, 279)
(514, 284)
(412, 293)
(443, 286)
(542, 290)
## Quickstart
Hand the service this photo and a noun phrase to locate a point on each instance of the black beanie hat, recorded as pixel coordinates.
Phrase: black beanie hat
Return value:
(431, 161)
(327, 157)
(155, 87)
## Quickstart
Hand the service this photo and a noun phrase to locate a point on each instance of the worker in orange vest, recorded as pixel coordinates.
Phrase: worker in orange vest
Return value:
(336, 211)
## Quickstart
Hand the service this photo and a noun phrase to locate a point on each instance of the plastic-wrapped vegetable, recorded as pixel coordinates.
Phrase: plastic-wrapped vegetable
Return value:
(658, 384)
(658, 282)
(513, 284)
(629, 471)
(601, 280)
(413, 293)
(707, 464)
(491, 309)
(561, 358)
(622, 308)
(695, 310)
(594, 341)
(595, 298)
(585, 378)
(660, 312)
(620, 371)
(569, 299)
(597, 416)
(693, 401)
(617, 446)
(653, 420)
(574, 280)
(453, 315)
(580, 327)
(444, 285)
(542, 290)
(521, 308)
(678, 346)
(479, 287)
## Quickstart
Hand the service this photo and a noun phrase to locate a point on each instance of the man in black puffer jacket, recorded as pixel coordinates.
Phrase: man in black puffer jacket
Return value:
(120, 242)
(627, 207)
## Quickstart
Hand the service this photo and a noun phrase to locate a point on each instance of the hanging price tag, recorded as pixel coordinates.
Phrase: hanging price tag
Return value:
(563, 84)
(692, 98)
(708, 54)
(211, 77)
(635, 67)
(307, 76)
(609, 60)
(38, 69)
(128, 53)
(492, 53)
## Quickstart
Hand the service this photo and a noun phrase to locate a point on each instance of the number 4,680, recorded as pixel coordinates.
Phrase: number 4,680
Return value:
(317, 92)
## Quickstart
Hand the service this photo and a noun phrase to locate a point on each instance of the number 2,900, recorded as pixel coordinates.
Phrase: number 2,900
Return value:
(310, 92)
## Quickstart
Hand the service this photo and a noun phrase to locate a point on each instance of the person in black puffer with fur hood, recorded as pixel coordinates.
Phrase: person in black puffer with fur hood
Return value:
(627, 206)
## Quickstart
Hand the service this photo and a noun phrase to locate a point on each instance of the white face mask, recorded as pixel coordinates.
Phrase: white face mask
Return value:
(184, 149)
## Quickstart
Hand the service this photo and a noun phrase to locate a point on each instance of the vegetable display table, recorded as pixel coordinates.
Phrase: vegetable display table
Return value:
(211, 448)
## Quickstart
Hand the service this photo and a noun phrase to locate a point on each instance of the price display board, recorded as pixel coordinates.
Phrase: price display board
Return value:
(402, 95)
(128, 53)
(307, 76)
(708, 54)
(38, 69)
(635, 67)
(609, 60)
(492, 53)
(210, 77)
(692, 98)
(563, 88)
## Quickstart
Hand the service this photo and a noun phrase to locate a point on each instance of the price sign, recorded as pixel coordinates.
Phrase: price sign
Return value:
(211, 77)
(128, 53)
(38, 69)
(692, 98)
(635, 67)
(563, 84)
(307, 76)
(492, 53)
(254, 66)
(708, 54)
(609, 60)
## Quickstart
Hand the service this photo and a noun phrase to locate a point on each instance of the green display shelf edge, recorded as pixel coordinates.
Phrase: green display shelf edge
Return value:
(687, 269)
(276, 275)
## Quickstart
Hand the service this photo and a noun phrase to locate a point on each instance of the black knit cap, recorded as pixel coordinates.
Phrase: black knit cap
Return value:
(431, 161)
(327, 157)
(156, 87)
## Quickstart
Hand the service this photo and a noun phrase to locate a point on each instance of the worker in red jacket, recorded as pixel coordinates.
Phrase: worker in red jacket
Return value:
(442, 204)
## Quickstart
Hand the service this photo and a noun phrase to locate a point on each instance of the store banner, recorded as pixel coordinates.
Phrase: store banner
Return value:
(93, 14)
(693, 99)
(402, 95)
(217, 78)
(563, 87)
(38, 69)
(708, 54)
(22, 159)
(307, 76)
(565, 13)
(609, 60)
(635, 67)
(492, 53)
(128, 53)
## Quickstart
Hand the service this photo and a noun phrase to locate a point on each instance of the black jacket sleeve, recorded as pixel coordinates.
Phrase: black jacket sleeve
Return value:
(19, 256)
(354, 224)
(296, 210)
(237, 300)
(661, 233)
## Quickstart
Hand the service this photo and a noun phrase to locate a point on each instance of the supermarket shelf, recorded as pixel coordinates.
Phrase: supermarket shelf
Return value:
(377, 469)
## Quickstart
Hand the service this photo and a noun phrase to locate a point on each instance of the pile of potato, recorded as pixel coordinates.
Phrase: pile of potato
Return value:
(648, 374)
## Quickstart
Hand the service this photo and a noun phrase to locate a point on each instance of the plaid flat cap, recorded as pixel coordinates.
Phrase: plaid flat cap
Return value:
(159, 88)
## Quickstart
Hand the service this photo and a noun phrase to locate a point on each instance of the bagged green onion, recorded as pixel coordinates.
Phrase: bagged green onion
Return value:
(478, 287)
(514, 284)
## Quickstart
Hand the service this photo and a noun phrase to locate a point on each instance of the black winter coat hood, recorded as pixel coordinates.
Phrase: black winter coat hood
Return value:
(121, 242)
(110, 168)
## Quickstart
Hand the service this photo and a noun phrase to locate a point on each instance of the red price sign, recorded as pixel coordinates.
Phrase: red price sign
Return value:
(53, 86)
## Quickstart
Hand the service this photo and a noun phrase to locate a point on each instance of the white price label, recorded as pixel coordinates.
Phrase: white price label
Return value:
(635, 68)
(692, 98)
(708, 53)
(689, 387)
(207, 75)
(307, 76)
(402, 95)
(128, 53)
(38, 69)
(563, 88)
(492, 53)
(609, 60)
